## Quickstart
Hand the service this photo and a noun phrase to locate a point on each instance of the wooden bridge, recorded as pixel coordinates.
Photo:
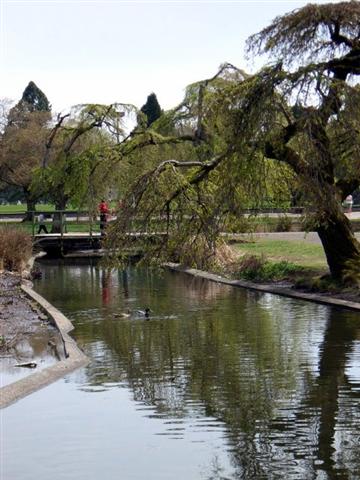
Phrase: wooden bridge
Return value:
(73, 231)
(60, 244)
(84, 244)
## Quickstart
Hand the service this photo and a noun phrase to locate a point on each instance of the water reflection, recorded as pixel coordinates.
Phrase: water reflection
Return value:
(271, 373)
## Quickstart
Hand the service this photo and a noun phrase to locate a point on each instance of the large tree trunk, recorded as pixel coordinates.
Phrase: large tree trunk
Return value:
(60, 204)
(30, 206)
(341, 248)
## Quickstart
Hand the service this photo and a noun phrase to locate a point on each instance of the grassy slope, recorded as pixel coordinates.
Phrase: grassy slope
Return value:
(307, 255)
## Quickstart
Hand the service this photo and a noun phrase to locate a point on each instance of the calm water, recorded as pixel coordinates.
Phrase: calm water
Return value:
(220, 383)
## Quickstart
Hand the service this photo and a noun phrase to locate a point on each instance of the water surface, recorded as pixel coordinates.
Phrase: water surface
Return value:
(219, 383)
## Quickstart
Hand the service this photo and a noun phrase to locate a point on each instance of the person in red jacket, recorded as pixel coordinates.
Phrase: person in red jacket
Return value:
(104, 212)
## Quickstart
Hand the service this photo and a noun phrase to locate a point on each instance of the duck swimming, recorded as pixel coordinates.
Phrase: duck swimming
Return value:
(145, 313)
(125, 314)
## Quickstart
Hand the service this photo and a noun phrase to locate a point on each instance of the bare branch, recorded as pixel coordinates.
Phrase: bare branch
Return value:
(51, 138)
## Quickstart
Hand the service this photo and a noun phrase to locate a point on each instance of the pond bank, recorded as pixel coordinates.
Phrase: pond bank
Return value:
(21, 313)
(277, 289)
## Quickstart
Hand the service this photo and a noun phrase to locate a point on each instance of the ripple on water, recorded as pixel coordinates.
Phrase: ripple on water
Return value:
(271, 385)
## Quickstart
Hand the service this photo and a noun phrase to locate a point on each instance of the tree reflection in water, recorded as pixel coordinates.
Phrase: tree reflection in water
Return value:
(271, 372)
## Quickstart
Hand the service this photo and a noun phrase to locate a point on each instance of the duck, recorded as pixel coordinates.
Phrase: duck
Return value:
(145, 313)
(125, 314)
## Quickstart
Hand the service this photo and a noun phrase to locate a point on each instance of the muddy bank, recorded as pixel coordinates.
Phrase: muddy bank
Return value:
(26, 334)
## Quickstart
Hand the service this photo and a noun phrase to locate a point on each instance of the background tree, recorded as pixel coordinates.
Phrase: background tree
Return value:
(23, 141)
(151, 109)
(35, 99)
(80, 158)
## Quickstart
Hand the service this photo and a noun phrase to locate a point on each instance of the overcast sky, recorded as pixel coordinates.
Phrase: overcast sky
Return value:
(107, 51)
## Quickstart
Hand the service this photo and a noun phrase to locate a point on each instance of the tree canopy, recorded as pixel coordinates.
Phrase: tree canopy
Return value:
(298, 118)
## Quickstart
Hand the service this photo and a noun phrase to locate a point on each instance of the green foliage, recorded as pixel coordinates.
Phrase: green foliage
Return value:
(82, 154)
(352, 273)
(311, 33)
(257, 268)
(323, 284)
(22, 149)
(283, 224)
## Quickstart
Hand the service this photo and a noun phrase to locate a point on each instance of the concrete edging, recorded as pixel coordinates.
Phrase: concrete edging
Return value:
(277, 290)
(75, 357)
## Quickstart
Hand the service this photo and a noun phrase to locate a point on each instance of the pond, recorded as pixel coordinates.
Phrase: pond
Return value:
(218, 383)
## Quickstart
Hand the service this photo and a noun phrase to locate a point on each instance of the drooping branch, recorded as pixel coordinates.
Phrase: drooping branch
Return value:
(51, 138)
(78, 132)
(152, 139)
(338, 38)
(200, 175)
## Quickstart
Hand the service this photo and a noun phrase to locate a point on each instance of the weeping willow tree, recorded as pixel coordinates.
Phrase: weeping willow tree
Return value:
(312, 121)
(294, 122)
(88, 152)
(198, 178)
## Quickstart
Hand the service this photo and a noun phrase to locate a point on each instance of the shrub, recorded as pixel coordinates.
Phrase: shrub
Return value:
(240, 224)
(15, 249)
(280, 270)
(283, 224)
(352, 273)
(251, 267)
(257, 268)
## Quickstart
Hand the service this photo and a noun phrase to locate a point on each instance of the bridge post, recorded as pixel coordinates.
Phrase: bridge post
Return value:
(90, 224)
(33, 224)
(62, 232)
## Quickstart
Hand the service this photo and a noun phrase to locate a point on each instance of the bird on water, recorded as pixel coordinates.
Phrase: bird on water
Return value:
(145, 313)
(125, 314)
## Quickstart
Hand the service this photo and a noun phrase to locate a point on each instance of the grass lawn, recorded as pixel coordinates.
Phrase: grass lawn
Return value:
(41, 207)
(22, 208)
(303, 264)
(307, 255)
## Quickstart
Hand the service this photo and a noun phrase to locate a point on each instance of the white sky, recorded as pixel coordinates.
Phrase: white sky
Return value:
(120, 51)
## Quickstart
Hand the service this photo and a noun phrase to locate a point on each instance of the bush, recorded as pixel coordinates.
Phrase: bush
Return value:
(283, 224)
(352, 273)
(240, 224)
(251, 267)
(15, 249)
(257, 268)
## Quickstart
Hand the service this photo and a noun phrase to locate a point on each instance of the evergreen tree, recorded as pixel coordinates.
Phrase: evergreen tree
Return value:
(35, 99)
(151, 109)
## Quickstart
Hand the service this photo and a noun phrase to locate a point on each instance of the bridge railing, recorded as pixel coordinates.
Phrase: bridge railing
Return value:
(63, 222)
(80, 221)
(56, 221)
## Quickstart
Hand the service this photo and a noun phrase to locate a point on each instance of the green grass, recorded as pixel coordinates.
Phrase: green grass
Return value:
(22, 208)
(307, 255)
(41, 207)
